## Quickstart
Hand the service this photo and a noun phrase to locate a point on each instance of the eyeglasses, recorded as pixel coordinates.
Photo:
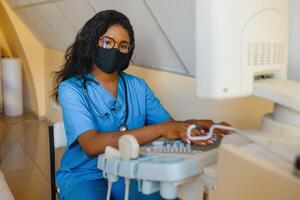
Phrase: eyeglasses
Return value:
(109, 43)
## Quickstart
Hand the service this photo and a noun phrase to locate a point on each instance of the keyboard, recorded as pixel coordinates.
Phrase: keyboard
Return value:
(177, 146)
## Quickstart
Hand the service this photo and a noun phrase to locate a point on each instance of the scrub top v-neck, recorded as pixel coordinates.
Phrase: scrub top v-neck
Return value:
(78, 115)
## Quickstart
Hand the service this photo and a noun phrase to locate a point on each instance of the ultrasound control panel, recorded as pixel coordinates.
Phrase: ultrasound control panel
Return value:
(163, 165)
(177, 146)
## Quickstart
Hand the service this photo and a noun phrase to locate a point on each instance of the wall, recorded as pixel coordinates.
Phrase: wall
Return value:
(23, 44)
(5, 50)
(11, 37)
(178, 95)
(53, 62)
(294, 41)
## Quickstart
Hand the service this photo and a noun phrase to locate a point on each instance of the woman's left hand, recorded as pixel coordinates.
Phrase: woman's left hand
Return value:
(205, 126)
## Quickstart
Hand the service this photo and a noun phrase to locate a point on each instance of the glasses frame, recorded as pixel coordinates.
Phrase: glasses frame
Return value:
(130, 46)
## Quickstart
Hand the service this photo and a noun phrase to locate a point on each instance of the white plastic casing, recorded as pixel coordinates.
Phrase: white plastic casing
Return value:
(60, 137)
(129, 147)
(112, 153)
(236, 40)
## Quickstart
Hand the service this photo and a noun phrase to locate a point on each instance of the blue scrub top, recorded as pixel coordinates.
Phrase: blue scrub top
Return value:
(143, 109)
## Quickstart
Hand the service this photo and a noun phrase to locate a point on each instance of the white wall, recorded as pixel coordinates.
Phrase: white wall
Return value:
(294, 41)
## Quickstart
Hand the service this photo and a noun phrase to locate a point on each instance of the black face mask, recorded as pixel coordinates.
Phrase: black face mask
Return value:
(112, 60)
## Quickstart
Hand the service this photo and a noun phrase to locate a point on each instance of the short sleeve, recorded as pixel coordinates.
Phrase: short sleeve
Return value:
(155, 111)
(76, 115)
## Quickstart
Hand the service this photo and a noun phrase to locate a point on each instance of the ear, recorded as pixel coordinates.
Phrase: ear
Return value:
(99, 42)
(133, 59)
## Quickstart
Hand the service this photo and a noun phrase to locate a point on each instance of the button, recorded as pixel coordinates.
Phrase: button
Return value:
(178, 142)
(181, 149)
(168, 148)
(158, 143)
(188, 148)
(160, 149)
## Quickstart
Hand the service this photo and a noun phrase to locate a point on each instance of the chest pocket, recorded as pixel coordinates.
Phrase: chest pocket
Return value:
(137, 122)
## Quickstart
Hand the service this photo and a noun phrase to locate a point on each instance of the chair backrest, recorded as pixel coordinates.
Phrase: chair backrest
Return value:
(60, 137)
(57, 139)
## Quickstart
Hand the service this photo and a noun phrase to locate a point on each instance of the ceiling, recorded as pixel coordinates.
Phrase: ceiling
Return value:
(165, 30)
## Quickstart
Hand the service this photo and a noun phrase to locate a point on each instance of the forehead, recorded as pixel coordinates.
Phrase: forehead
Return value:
(118, 33)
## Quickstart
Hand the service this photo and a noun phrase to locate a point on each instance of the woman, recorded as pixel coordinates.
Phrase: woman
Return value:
(100, 103)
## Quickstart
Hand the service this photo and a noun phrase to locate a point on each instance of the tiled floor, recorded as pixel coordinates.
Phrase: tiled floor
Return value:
(25, 156)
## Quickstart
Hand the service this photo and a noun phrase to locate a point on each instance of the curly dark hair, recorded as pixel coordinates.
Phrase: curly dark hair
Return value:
(81, 55)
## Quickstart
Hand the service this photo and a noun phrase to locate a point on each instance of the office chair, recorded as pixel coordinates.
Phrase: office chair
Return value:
(57, 139)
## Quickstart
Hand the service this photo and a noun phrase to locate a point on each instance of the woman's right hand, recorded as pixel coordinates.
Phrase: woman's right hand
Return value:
(176, 130)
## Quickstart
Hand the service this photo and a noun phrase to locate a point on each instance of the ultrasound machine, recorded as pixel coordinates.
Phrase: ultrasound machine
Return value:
(242, 50)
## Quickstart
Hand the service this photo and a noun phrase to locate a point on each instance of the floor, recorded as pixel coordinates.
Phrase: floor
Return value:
(24, 152)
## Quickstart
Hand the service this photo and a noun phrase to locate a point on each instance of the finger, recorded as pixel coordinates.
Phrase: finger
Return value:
(226, 132)
(184, 125)
(210, 142)
(222, 132)
(197, 132)
(224, 123)
(199, 143)
(194, 132)
(206, 124)
(201, 131)
(184, 138)
(191, 121)
(202, 143)
(182, 134)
